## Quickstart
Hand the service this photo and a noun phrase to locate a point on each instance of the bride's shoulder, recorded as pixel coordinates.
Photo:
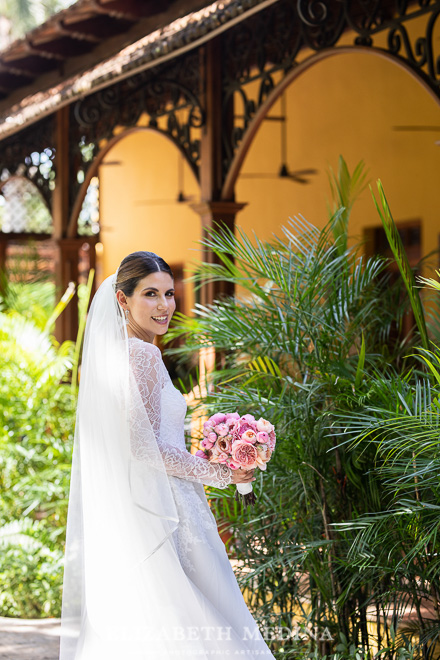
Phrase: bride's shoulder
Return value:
(139, 347)
(146, 358)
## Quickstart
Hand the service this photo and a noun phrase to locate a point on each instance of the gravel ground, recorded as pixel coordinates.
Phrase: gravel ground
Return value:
(29, 639)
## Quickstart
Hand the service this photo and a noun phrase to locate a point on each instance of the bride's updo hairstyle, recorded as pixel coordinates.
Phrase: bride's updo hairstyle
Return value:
(135, 267)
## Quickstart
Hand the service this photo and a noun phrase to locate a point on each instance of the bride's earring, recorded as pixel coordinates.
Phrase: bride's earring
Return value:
(126, 316)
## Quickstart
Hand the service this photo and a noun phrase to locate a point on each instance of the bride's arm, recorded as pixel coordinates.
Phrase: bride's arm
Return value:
(147, 367)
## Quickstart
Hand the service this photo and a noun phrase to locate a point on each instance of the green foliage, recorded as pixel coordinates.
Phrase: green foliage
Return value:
(24, 15)
(37, 415)
(402, 261)
(345, 188)
(339, 532)
(30, 570)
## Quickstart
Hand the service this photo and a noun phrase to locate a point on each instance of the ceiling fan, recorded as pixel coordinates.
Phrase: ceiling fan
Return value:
(419, 128)
(181, 197)
(298, 176)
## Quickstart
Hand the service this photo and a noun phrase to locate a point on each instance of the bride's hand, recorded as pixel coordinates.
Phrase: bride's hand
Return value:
(242, 476)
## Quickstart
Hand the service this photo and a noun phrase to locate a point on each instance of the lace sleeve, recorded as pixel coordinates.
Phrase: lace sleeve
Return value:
(147, 368)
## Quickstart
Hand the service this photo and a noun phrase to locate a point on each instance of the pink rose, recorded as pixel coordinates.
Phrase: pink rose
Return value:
(249, 436)
(217, 455)
(218, 418)
(244, 454)
(232, 464)
(263, 456)
(272, 440)
(212, 437)
(224, 444)
(207, 444)
(221, 429)
(220, 458)
(262, 436)
(201, 454)
(264, 425)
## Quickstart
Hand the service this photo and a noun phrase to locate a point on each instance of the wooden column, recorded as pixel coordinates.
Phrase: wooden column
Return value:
(66, 267)
(212, 214)
(212, 209)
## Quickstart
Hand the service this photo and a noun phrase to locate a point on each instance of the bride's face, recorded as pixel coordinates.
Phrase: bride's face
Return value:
(152, 303)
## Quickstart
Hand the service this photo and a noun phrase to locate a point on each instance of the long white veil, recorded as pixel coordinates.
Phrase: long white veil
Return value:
(121, 510)
(126, 595)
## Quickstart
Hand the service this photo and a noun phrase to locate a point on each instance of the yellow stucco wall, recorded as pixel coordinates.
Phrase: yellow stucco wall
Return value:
(138, 187)
(348, 104)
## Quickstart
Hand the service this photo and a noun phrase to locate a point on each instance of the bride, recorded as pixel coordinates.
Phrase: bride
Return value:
(146, 574)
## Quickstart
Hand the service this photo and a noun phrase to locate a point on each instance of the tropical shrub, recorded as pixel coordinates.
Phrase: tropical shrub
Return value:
(37, 415)
(310, 343)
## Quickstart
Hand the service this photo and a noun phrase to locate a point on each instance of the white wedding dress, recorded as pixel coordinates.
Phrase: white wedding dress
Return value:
(203, 609)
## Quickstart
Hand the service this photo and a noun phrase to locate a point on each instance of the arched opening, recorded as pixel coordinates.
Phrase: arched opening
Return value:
(145, 188)
(355, 104)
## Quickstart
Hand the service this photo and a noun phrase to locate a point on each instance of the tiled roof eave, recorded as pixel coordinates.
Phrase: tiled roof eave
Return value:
(169, 42)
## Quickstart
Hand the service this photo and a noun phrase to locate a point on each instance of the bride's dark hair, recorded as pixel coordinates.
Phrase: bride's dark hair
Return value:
(135, 267)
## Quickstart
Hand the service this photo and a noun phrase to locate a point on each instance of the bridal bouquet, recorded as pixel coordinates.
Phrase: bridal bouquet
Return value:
(239, 442)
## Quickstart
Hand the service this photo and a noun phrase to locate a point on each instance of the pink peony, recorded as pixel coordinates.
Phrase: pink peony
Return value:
(207, 444)
(244, 454)
(222, 429)
(224, 444)
(248, 418)
(264, 425)
(201, 454)
(249, 436)
(218, 418)
(262, 436)
(232, 416)
(239, 428)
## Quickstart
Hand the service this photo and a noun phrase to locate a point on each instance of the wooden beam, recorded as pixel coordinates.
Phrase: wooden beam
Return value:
(211, 143)
(67, 269)
(75, 33)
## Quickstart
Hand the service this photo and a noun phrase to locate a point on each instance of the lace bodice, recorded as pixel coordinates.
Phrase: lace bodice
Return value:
(166, 408)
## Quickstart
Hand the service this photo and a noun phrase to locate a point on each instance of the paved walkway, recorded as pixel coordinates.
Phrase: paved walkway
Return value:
(29, 639)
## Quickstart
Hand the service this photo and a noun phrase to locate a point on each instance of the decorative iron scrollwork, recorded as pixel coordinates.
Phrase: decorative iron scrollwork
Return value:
(31, 154)
(168, 95)
(271, 42)
(312, 12)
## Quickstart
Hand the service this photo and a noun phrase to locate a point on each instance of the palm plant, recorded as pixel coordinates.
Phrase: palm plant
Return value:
(311, 320)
